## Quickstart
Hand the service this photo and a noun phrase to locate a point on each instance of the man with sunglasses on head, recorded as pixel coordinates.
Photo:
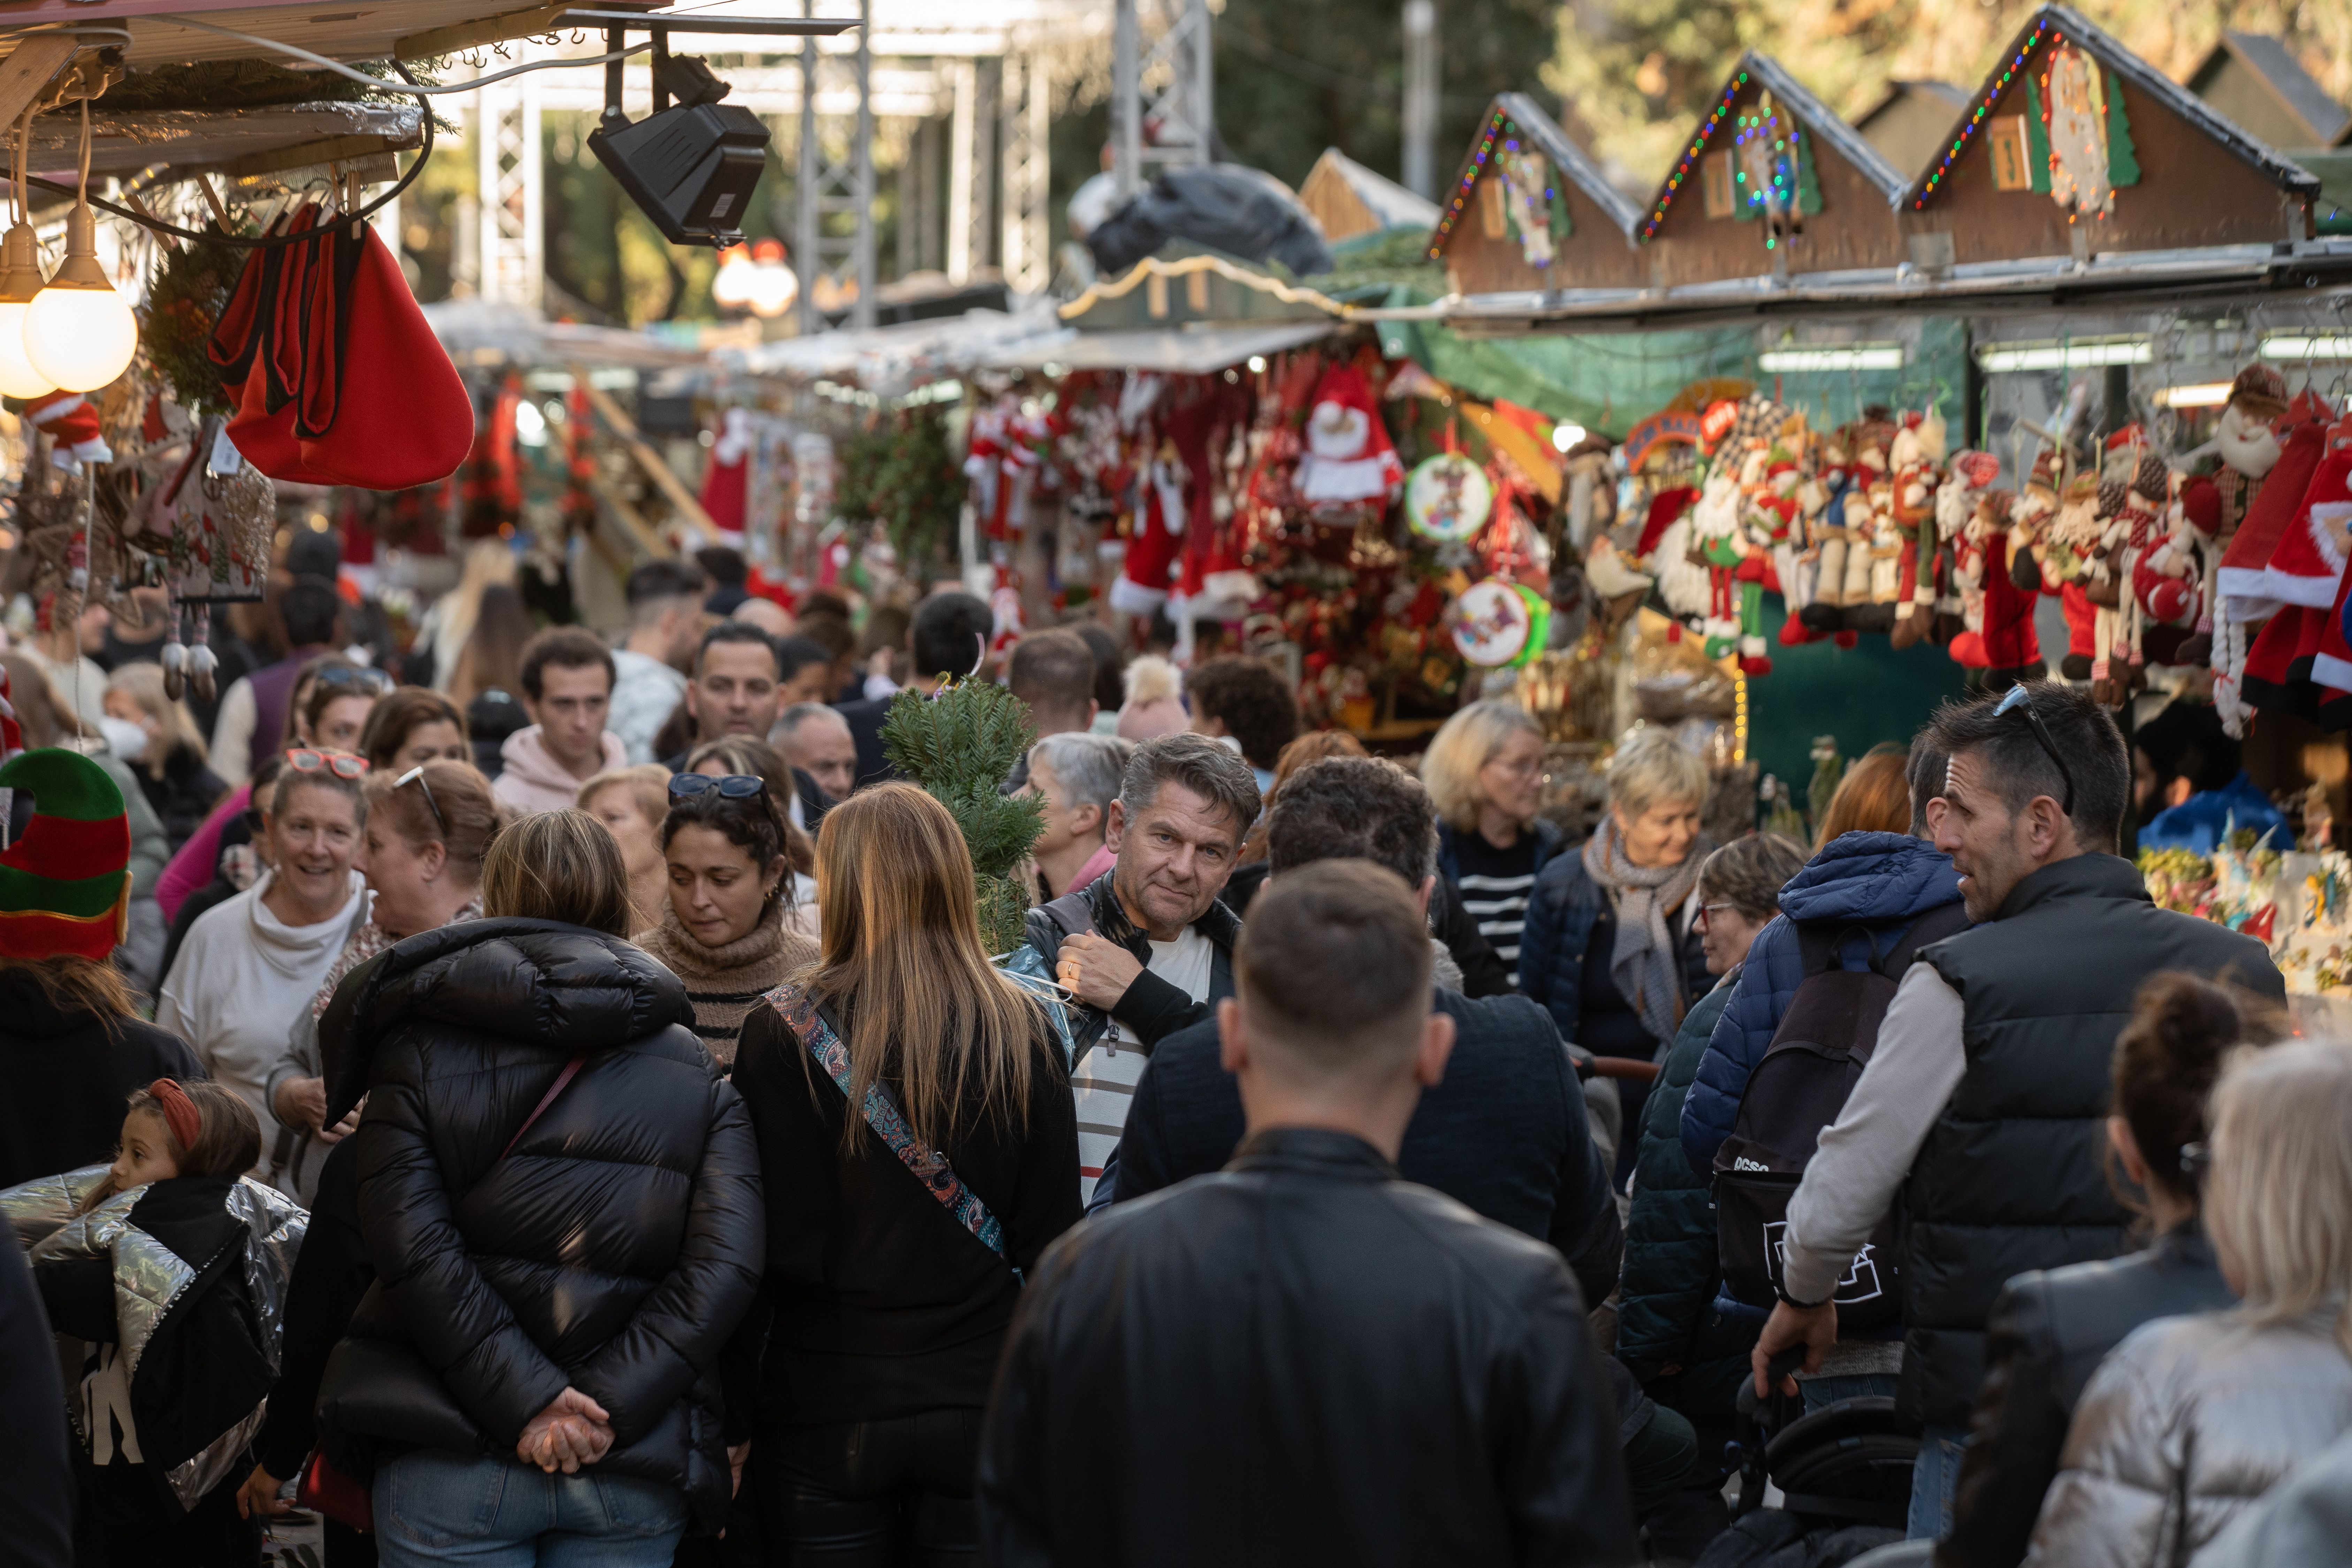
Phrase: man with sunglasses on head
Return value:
(567, 690)
(1984, 1104)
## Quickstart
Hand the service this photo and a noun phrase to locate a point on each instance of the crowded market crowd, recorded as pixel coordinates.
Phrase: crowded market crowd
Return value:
(539, 1098)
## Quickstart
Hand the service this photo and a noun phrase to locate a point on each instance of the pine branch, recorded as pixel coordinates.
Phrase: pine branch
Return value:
(960, 746)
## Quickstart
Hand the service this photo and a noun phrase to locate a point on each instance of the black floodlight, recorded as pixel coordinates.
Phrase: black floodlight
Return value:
(690, 166)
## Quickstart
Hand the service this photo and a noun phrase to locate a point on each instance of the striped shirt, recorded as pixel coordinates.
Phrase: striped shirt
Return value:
(1105, 1079)
(1495, 885)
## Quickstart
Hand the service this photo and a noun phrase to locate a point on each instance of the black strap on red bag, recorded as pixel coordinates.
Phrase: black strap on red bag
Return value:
(323, 1489)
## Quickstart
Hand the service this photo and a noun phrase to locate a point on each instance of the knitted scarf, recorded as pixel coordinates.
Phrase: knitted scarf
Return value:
(1645, 964)
(725, 982)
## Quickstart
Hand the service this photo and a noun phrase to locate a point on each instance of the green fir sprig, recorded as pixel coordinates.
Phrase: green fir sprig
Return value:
(960, 746)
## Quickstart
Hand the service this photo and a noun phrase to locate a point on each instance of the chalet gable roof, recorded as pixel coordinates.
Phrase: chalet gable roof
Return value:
(1554, 143)
(2061, 23)
(2268, 59)
(1807, 110)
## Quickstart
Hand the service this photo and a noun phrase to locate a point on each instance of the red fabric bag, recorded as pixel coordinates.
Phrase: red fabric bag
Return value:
(325, 1490)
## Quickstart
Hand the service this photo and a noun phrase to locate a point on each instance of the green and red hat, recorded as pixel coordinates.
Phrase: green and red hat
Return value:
(65, 885)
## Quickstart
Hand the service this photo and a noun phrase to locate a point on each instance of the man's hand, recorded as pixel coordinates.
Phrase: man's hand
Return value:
(735, 1458)
(1815, 1328)
(302, 1102)
(258, 1496)
(346, 1127)
(1096, 971)
(572, 1431)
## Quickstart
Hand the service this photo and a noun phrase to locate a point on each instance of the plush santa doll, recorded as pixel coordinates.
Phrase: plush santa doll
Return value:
(70, 422)
(1348, 465)
(2246, 444)
(2250, 590)
(2306, 575)
(726, 481)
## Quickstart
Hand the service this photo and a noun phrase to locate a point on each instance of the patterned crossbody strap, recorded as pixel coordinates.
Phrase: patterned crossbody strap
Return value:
(799, 1011)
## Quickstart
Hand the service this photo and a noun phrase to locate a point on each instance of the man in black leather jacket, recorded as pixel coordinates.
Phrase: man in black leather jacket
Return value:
(1304, 1357)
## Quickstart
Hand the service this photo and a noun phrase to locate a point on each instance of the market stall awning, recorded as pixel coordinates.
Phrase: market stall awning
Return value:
(1194, 349)
(487, 333)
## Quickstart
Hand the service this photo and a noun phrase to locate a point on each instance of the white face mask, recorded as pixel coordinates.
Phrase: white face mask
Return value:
(124, 739)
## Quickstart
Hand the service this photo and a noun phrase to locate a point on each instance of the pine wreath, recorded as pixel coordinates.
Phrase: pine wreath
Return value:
(183, 303)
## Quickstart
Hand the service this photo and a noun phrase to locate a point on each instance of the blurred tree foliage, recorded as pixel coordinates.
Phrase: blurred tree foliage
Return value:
(902, 470)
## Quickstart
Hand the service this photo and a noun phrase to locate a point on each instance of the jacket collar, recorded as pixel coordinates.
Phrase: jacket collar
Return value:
(2081, 877)
(1218, 923)
(1313, 1152)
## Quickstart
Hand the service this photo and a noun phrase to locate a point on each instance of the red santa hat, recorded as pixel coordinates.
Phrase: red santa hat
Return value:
(1348, 456)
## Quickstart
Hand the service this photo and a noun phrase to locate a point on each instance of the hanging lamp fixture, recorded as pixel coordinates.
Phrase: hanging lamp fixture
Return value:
(78, 330)
(20, 280)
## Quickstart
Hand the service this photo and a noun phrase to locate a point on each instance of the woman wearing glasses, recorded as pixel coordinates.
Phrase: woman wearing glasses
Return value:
(1485, 770)
(427, 831)
(724, 932)
(249, 967)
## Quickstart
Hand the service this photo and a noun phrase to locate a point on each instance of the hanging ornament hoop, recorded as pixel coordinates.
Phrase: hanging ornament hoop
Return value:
(1448, 498)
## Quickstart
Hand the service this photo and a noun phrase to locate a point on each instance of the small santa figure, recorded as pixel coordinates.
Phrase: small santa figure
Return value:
(1350, 464)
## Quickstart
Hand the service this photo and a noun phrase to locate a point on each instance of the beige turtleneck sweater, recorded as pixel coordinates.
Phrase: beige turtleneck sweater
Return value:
(726, 983)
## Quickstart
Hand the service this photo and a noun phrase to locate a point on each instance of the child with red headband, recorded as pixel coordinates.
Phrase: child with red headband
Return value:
(175, 1341)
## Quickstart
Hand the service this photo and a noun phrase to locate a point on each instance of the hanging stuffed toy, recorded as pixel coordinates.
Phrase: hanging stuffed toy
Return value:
(1161, 509)
(65, 885)
(726, 481)
(70, 423)
(2248, 593)
(1350, 466)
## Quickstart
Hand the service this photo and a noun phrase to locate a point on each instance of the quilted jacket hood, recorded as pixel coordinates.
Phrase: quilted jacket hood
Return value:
(1871, 876)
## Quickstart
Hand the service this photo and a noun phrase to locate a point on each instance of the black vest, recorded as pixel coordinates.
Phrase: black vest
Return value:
(2011, 1176)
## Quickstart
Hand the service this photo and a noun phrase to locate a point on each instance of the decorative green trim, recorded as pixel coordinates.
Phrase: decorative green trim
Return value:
(1808, 189)
(1562, 223)
(2037, 134)
(2123, 158)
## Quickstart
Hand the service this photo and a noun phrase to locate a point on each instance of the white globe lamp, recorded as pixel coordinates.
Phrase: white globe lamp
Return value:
(78, 330)
(20, 281)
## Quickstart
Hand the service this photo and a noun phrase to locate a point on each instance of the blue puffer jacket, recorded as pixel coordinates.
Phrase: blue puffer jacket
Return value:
(1671, 1269)
(1882, 882)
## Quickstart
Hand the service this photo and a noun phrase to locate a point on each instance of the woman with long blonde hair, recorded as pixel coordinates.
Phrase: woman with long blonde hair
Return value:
(900, 1082)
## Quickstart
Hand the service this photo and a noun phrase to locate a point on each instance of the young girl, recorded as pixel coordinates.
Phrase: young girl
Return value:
(169, 1267)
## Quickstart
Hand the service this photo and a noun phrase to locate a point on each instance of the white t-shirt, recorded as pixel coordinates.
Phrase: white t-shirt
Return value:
(1105, 1080)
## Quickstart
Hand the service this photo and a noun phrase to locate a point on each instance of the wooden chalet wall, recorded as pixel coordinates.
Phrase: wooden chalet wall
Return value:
(1856, 227)
(1481, 256)
(2193, 189)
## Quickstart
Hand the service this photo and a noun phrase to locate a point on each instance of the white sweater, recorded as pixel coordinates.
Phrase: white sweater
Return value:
(243, 980)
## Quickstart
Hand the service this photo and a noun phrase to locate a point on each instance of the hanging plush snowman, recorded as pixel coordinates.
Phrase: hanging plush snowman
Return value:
(1348, 467)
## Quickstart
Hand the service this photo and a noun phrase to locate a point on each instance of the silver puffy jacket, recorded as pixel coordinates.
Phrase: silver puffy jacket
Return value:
(2187, 1422)
(148, 1277)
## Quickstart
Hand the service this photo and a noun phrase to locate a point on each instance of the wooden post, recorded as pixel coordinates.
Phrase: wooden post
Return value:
(29, 69)
(667, 482)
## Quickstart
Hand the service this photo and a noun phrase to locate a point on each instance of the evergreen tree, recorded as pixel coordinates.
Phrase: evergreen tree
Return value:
(960, 746)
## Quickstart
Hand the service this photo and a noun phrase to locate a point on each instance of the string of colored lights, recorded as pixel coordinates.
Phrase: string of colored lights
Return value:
(1496, 124)
(1691, 155)
(2034, 41)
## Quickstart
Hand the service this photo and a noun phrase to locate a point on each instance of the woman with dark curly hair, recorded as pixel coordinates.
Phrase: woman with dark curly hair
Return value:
(1245, 701)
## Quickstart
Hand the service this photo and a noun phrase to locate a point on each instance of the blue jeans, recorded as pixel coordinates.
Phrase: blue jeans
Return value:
(434, 1508)
(1933, 1480)
(1820, 1392)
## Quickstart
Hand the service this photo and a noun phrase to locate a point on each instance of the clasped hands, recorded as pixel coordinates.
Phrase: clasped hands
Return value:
(572, 1431)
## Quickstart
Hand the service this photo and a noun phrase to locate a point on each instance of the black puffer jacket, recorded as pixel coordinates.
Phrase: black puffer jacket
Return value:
(614, 1250)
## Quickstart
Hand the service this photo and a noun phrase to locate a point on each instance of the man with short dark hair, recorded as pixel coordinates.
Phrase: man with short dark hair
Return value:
(650, 665)
(804, 672)
(1246, 703)
(1053, 672)
(734, 690)
(1505, 1133)
(567, 688)
(1146, 948)
(728, 573)
(254, 709)
(1985, 1100)
(1305, 1358)
(948, 637)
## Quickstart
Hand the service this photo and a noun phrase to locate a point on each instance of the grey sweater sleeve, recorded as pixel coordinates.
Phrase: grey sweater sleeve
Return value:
(1865, 1153)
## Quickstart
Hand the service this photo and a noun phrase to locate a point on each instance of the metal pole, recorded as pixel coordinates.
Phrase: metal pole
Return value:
(961, 133)
(1421, 97)
(1126, 99)
(805, 187)
(1204, 83)
(862, 314)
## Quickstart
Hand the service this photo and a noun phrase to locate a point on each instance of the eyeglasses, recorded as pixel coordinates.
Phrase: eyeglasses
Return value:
(416, 775)
(732, 787)
(343, 764)
(2020, 700)
(374, 682)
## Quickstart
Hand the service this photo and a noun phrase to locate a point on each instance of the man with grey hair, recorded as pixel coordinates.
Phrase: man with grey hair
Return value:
(1145, 948)
(816, 741)
(1077, 776)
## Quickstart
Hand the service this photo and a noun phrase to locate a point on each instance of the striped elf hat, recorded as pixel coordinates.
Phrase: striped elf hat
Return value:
(65, 885)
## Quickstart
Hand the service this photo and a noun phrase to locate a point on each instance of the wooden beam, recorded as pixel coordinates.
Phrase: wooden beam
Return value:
(670, 484)
(29, 69)
(651, 542)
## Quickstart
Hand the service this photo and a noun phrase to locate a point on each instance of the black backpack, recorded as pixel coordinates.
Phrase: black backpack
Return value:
(1816, 1056)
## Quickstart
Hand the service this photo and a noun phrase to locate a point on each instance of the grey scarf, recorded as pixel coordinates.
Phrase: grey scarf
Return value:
(1645, 964)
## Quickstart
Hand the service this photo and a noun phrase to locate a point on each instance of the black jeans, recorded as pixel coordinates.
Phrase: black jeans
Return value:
(877, 1494)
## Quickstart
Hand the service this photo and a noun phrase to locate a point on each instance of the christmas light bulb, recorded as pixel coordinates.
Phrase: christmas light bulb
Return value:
(78, 332)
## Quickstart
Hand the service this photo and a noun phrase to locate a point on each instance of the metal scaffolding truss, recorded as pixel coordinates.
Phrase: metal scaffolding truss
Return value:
(514, 224)
(1163, 87)
(835, 178)
(1025, 122)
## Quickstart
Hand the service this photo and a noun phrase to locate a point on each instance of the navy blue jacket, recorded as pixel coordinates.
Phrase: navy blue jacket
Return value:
(1547, 836)
(1882, 882)
(1561, 912)
(1671, 1265)
(1505, 1133)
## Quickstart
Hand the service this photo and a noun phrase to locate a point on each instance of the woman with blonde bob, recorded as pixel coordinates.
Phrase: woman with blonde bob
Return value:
(1485, 772)
(2193, 1418)
(902, 1050)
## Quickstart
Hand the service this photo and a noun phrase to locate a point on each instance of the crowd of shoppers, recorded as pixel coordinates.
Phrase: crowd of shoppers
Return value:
(586, 1154)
